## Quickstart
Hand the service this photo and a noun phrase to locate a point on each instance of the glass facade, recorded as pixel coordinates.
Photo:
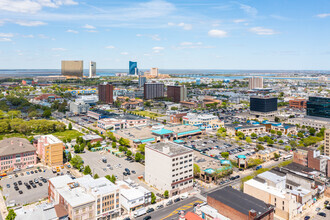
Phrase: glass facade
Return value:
(318, 107)
(132, 67)
(263, 104)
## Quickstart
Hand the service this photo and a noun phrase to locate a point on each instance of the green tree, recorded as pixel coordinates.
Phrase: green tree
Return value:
(69, 156)
(138, 157)
(261, 139)
(300, 134)
(279, 133)
(153, 198)
(276, 155)
(141, 148)
(96, 176)
(11, 215)
(197, 170)
(260, 147)
(270, 141)
(87, 170)
(70, 126)
(254, 135)
(280, 142)
(129, 153)
(277, 119)
(224, 155)
(248, 140)
(47, 113)
(287, 148)
(293, 143)
(272, 132)
(166, 194)
(76, 162)
(312, 131)
(33, 114)
(123, 141)
(114, 145)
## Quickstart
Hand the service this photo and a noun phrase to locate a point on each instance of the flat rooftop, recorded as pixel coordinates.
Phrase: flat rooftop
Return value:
(169, 148)
(239, 201)
(136, 133)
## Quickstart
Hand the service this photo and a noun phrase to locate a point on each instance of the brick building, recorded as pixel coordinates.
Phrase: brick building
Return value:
(177, 93)
(234, 204)
(106, 93)
(177, 118)
(298, 103)
(300, 157)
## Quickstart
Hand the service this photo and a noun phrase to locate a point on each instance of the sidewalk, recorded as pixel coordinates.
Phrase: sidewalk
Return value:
(310, 211)
(3, 207)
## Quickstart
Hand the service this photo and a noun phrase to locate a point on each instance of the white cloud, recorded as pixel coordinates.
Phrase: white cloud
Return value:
(6, 35)
(139, 35)
(28, 36)
(183, 25)
(110, 47)
(1, 22)
(157, 49)
(262, 31)
(192, 45)
(32, 6)
(5, 39)
(323, 15)
(42, 36)
(217, 33)
(72, 31)
(249, 10)
(30, 23)
(92, 31)
(153, 37)
(239, 20)
(59, 49)
(124, 53)
(87, 26)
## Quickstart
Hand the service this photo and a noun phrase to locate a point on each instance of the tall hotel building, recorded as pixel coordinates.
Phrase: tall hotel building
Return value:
(154, 71)
(133, 70)
(327, 142)
(92, 69)
(72, 68)
(106, 93)
(256, 82)
(177, 93)
(153, 90)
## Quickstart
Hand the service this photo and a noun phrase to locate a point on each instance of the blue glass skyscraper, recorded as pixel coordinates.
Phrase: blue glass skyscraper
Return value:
(132, 67)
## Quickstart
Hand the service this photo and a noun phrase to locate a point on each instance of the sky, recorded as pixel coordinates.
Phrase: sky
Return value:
(168, 34)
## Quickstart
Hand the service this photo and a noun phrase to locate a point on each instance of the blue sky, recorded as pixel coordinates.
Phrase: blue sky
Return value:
(186, 34)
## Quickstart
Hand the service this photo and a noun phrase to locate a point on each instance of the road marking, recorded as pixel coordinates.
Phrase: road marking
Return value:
(184, 207)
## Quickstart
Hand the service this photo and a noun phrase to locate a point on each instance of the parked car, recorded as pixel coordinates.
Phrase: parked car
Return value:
(19, 182)
(20, 192)
(322, 214)
(159, 207)
(8, 185)
(170, 202)
(147, 217)
(150, 210)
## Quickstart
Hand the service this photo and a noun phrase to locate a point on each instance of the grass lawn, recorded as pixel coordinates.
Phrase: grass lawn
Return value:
(148, 114)
(73, 134)
(19, 135)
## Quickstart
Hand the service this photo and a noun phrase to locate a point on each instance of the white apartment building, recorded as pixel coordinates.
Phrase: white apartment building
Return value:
(207, 121)
(92, 69)
(169, 166)
(85, 197)
(154, 71)
(79, 107)
(256, 82)
(327, 142)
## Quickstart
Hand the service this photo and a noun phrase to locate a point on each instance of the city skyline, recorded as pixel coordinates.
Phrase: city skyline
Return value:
(268, 35)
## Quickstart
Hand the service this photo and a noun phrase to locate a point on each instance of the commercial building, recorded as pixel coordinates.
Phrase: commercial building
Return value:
(50, 150)
(300, 156)
(16, 153)
(92, 69)
(189, 104)
(177, 118)
(142, 81)
(313, 122)
(72, 68)
(256, 83)
(154, 71)
(277, 126)
(121, 122)
(203, 121)
(79, 107)
(85, 197)
(106, 93)
(263, 105)
(298, 103)
(318, 107)
(327, 142)
(177, 93)
(82, 91)
(234, 204)
(93, 138)
(169, 166)
(245, 128)
(133, 70)
(153, 90)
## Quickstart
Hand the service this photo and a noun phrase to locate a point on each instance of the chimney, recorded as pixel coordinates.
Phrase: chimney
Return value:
(12, 142)
(252, 214)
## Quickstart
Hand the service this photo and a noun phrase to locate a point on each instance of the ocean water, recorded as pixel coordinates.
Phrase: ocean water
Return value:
(220, 74)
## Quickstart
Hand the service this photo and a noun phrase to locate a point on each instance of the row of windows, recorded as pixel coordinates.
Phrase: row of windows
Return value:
(181, 167)
(174, 159)
(181, 184)
(182, 173)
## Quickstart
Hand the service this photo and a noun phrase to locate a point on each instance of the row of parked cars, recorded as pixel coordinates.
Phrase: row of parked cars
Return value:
(29, 185)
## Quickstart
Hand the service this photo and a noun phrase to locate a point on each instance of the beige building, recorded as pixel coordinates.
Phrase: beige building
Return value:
(327, 142)
(72, 68)
(50, 150)
(256, 82)
(154, 71)
(85, 197)
(169, 166)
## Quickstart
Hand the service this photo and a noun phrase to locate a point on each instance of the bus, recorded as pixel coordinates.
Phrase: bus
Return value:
(288, 157)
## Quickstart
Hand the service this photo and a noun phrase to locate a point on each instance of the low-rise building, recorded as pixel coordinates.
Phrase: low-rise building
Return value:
(16, 154)
(234, 204)
(312, 122)
(277, 126)
(205, 121)
(177, 118)
(267, 154)
(245, 128)
(50, 150)
(169, 166)
(79, 107)
(121, 122)
(190, 105)
(300, 157)
(85, 197)
(93, 138)
(298, 103)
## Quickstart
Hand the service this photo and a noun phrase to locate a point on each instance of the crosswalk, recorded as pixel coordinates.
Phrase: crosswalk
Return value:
(183, 208)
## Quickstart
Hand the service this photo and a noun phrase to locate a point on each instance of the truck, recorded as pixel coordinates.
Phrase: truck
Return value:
(258, 167)
(140, 212)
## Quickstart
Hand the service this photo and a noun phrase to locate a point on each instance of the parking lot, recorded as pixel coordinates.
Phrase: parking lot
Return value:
(114, 165)
(28, 195)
